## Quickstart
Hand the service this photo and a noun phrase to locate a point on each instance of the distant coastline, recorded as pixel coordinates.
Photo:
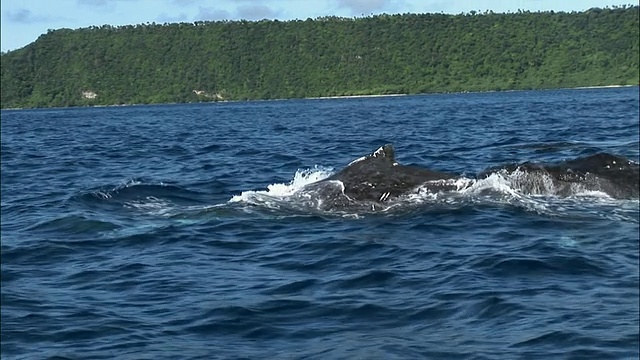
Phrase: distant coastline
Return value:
(336, 97)
(329, 97)
(464, 92)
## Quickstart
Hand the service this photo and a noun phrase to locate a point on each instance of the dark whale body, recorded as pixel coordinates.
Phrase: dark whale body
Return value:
(614, 175)
(378, 177)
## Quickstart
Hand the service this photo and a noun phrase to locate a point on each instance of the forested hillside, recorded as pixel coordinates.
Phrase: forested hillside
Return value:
(410, 53)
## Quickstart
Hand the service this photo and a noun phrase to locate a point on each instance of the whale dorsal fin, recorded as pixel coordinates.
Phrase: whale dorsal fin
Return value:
(386, 151)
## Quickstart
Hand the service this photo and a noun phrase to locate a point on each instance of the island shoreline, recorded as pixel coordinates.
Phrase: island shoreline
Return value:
(334, 97)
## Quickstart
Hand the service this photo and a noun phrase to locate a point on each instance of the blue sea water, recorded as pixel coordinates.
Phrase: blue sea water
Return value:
(171, 232)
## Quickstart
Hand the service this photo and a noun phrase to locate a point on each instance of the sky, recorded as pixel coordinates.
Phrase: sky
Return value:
(23, 21)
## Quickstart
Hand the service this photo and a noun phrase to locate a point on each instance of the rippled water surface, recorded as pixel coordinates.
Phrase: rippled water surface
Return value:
(171, 231)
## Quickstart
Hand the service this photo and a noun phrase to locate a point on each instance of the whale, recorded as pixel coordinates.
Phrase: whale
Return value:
(378, 177)
(613, 175)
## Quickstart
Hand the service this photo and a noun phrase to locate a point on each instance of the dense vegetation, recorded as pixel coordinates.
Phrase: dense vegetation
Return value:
(410, 53)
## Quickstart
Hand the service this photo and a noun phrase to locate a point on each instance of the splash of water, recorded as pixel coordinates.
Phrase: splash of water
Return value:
(301, 178)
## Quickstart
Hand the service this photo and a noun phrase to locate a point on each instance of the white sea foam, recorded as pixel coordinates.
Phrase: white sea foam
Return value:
(108, 194)
(592, 194)
(531, 191)
(152, 206)
(280, 190)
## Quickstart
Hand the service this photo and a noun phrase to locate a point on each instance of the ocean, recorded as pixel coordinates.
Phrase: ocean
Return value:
(174, 232)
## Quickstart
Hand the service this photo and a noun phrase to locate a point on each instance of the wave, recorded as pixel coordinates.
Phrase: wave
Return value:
(136, 189)
(159, 199)
(74, 224)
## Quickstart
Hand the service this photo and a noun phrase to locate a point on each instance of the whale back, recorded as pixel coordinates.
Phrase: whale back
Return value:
(378, 176)
(615, 175)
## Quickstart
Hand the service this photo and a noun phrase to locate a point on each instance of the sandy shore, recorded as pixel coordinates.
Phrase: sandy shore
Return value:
(345, 96)
(602, 86)
(353, 96)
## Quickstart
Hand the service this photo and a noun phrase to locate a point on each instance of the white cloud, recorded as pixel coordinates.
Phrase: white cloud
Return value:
(25, 16)
(211, 14)
(366, 7)
(256, 12)
(166, 18)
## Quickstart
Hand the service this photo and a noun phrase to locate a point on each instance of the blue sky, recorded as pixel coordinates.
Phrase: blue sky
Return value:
(23, 21)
